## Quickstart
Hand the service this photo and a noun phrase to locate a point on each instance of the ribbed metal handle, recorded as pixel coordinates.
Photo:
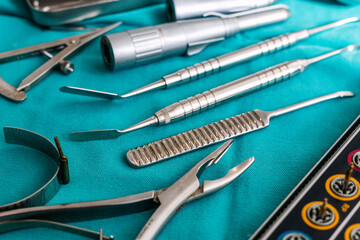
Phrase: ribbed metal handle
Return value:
(274, 44)
(193, 72)
(217, 64)
(208, 99)
(196, 138)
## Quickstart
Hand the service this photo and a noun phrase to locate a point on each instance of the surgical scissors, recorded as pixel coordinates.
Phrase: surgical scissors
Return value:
(65, 46)
(168, 201)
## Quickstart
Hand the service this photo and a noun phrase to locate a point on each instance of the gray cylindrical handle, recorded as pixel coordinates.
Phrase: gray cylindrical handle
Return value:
(144, 45)
(208, 99)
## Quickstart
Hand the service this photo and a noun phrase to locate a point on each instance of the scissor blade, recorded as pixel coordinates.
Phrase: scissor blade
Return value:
(95, 135)
(89, 92)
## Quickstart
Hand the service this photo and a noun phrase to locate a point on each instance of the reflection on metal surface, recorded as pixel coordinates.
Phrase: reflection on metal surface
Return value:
(58, 12)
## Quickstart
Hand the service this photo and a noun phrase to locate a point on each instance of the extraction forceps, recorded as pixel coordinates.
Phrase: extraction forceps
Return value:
(219, 63)
(208, 99)
(65, 46)
(168, 200)
(214, 133)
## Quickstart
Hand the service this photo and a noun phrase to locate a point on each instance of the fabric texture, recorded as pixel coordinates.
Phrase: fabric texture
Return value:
(284, 152)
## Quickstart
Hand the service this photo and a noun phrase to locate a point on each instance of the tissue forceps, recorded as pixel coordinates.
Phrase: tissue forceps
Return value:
(168, 200)
(65, 46)
(218, 63)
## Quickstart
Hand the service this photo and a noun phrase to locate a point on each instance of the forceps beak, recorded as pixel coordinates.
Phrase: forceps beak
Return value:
(215, 185)
(212, 186)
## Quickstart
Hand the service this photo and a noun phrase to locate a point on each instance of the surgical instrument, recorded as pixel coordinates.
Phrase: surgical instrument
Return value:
(65, 46)
(143, 45)
(208, 99)
(58, 12)
(225, 61)
(187, 9)
(219, 63)
(168, 200)
(213, 133)
(45, 193)
(61, 170)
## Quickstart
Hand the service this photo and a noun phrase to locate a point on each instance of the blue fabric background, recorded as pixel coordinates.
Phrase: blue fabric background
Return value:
(284, 152)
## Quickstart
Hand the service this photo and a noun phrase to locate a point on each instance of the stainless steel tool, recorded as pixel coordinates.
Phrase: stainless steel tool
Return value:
(213, 133)
(168, 200)
(225, 61)
(65, 46)
(57, 12)
(143, 45)
(61, 172)
(208, 99)
(187, 9)
(217, 64)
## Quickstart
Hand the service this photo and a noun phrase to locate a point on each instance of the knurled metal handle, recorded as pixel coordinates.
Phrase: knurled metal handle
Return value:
(147, 44)
(208, 99)
(195, 138)
(281, 42)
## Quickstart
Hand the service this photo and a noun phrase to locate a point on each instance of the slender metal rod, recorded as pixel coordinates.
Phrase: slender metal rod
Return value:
(213, 133)
(221, 94)
(219, 63)
(225, 61)
(309, 103)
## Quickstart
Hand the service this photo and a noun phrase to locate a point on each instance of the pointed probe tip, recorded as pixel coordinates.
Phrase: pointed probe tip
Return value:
(150, 87)
(346, 94)
(352, 47)
(64, 88)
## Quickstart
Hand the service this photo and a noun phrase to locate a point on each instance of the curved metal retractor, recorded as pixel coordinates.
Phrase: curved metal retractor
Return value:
(33, 140)
(168, 200)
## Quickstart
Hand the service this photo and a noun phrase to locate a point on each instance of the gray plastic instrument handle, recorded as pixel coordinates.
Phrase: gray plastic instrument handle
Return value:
(222, 62)
(208, 99)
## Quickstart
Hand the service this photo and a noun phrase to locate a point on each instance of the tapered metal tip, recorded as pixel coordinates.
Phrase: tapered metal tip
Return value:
(349, 48)
(345, 94)
(333, 25)
(151, 87)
